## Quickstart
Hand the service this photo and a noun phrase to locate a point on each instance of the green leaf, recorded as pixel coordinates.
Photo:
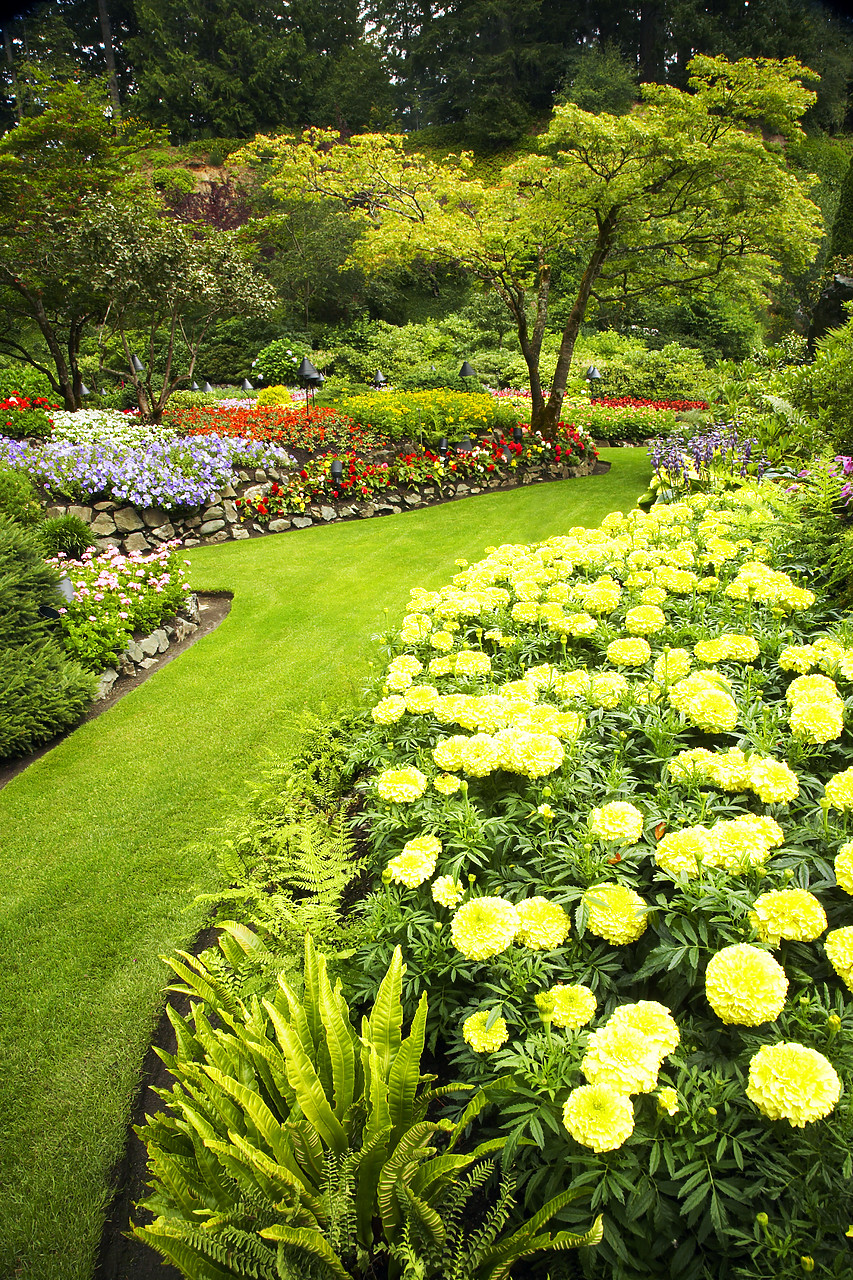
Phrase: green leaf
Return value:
(311, 1242)
(404, 1076)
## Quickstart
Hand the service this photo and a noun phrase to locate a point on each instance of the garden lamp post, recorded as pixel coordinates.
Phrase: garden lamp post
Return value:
(336, 473)
(136, 364)
(442, 447)
(309, 377)
(84, 390)
(592, 375)
(517, 435)
(207, 389)
(246, 385)
(379, 380)
(467, 370)
(194, 386)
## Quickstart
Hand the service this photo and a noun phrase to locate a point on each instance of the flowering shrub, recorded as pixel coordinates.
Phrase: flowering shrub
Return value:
(634, 915)
(115, 595)
(165, 473)
(24, 417)
(109, 427)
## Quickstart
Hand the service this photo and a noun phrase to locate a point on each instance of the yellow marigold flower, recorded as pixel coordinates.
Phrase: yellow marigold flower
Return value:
(543, 925)
(817, 721)
(484, 927)
(844, 867)
(618, 820)
(687, 765)
(447, 892)
(644, 620)
(631, 652)
(682, 852)
(418, 625)
(447, 784)
(744, 842)
(441, 640)
(654, 595)
(440, 666)
(532, 754)
(654, 1020)
(580, 624)
(773, 781)
(622, 1057)
(388, 710)
(597, 1116)
(672, 665)
(798, 657)
(839, 953)
(745, 986)
(417, 861)
(790, 1081)
(401, 785)
(839, 790)
(525, 611)
(571, 1007)
(476, 756)
(421, 698)
(668, 1100)
(711, 710)
(794, 914)
(710, 650)
(573, 684)
(481, 1039)
(680, 581)
(708, 584)
(607, 689)
(615, 913)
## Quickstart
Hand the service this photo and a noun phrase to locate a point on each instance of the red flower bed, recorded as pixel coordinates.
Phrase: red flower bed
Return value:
(631, 402)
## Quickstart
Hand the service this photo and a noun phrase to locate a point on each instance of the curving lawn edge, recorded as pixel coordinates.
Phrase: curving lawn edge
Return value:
(96, 851)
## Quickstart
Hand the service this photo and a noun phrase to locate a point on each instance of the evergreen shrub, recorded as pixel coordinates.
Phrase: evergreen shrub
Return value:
(18, 500)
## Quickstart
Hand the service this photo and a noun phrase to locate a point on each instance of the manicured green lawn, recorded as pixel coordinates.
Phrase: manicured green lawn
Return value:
(96, 851)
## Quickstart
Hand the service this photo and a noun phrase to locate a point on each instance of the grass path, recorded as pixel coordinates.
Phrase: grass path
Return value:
(96, 858)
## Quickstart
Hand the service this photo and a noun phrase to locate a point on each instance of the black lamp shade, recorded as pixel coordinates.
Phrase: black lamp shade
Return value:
(337, 472)
(442, 446)
(194, 386)
(306, 371)
(84, 390)
(592, 374)
(517, 435)
(379, 379)
(207, 389)
(136, 364)
(246, 385)
(467, 370)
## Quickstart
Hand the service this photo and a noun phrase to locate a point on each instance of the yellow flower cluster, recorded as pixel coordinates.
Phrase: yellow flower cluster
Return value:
(732, 648)
(844, 867)
(482, 1038)
(401, 785)
(790, 1081)
(447, 892)
(839, 953)
(618, 820)
(615, 913)
(793, 914)
(389, 710)
(543, 925)
(839, 790)
(704, 699)
(622, 1057)
(484, 927)
(733, 845)
(672, 665)
(570, 1007)
(421, 698)
(631, 652)
(417, 861)
(471, 662)
(447, 784)
(745, 986)
(516, 750)
(402, 671)
(817, 712)
(597, 1116)
(645, 619)
(773, 781)
(756, 582)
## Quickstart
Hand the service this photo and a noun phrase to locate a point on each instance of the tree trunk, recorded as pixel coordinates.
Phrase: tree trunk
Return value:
(109, 56)
(548, 418)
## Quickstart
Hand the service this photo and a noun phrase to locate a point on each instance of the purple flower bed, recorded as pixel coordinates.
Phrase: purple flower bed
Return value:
(677, 460)
(184, 473)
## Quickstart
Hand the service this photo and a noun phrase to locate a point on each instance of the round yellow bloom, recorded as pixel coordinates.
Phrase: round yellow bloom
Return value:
(844, 868)
(711, 710)
(682, 852)
(644, 620)
(440, 666)
(388, 710)
(615, 913)
(607, 689)
(484, 927)
(421, 698)
(477, 756)
(798, 657)
(790, 1081)
(816, 721)
(773, 781)
(580, 625)
(401, 785)
(447, 892)
(794, 914)
(472, 662)
(618, 820)
(570, 1007)
(745, 986)
(672, 665)
(417, 861)
(839, 953)
(447, 784)
(631, 652)
(654, 1020)
(623, 1058)
(653, 595)
(531, 754)
(839, 790)
(481, 1039)
(598, 1117)
(441, 640)
(543, 925)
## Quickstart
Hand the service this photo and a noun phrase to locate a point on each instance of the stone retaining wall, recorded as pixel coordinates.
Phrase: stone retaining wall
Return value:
(145, 652)
(130, 528)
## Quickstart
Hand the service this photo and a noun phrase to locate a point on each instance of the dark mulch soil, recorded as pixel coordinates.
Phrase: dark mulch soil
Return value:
(213, 607)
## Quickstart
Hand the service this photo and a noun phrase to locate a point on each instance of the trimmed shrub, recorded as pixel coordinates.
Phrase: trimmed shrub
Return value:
(18, 499)
(66, 534)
